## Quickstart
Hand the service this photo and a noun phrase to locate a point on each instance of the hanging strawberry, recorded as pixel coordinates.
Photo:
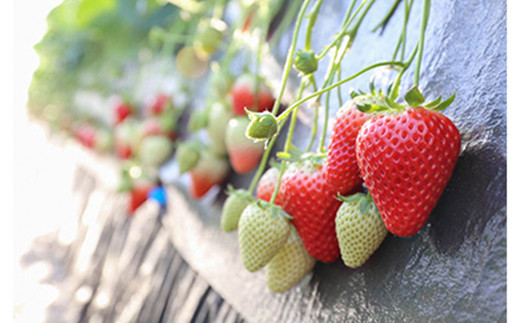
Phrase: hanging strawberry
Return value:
(406, 156)
(341, 169)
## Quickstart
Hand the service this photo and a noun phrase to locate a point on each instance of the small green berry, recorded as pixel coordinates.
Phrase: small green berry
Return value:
(306, 62)
(263, 125)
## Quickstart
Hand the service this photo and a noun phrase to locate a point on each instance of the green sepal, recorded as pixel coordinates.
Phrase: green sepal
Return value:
(414, 97)
(350, 198)
(393, 105)
(443, 105)
(433, 103)
(365, 204)
(230, 190)
(277, 211)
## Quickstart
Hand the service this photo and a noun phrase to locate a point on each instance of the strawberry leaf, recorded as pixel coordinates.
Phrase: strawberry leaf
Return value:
(414, 97)
(443, 105)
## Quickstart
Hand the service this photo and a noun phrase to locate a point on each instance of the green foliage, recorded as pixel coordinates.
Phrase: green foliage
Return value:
(91, 44)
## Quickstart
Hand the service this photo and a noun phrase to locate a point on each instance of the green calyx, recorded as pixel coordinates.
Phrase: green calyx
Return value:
(364, 199)
(276, 210)
(306, 62)
(187, 156)
(295, 155)
(263, 125)
(378, 102)
(239, 192)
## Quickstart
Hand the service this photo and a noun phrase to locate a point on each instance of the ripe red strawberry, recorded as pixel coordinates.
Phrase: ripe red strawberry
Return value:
(243, 92)
(243, 152)
(122, 110)
(160, 104)
(313, 205)
(406, 159)
(210, 170)
(138, 195)
(267, 185)
(342, 171)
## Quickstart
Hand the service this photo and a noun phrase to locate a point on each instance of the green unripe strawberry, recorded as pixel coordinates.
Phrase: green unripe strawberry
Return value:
(188, 155)
(289, 265)
(233, 208)
(263, 230)
(263, 125)
(210, 33)
(218, 117)
(155, 150)
(359, 228)
(306, 62)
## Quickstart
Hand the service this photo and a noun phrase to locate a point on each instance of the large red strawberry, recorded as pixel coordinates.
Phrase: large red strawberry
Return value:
(313, 205)
(243, 152)
(243, 92)
(341, 170)
(210, 170)
(406, 158)
(267, 185)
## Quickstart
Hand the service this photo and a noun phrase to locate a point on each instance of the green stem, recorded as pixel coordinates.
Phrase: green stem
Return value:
(312, 21)
(346, 23)
(395, 87)
(287, 20)
(290, 56)
(424, 23)
(293, 106)
(287, 145)
(389, 15)
(316, 116)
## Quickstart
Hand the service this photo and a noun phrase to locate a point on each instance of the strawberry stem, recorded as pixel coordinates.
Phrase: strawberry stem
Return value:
(290, 56)
(293, 106)
(424, 23)
(312, 21)
(287, 146)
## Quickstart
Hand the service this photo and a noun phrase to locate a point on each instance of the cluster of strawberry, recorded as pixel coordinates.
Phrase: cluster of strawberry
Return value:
(385, 170)
(225, 122)
(144, 143)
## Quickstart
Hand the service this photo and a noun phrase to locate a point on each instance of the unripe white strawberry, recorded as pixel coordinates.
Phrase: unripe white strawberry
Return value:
(289, 265)
(263, 230)
(218, 117)
(359, 228)
(235, 204)
(155, 150)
